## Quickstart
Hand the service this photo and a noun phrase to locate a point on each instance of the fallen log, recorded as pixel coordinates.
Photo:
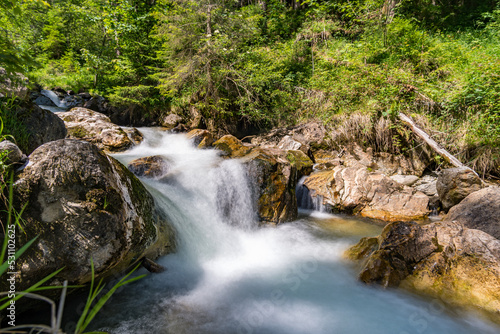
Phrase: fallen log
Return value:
(432, 143)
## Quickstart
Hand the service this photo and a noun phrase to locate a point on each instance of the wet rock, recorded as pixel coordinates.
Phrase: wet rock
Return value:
(201, 138)
(134, 135)
(443, 259)
(59, 91)
(180, 128)
(13, 153)
(232, 147)
(152, 266)
(480, 210)
(84, 205)
(171, 121)
(153, 167)
(369, 193)
(454, 184)
(274, 182)
(44, 101)
(302, 163)
(96, 128)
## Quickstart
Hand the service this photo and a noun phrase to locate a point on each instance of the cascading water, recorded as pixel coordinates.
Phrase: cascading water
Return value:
(54, 98)
(304, 199)
(230, 277)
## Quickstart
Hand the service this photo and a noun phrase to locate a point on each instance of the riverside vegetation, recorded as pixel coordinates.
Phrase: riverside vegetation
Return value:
(245, 65)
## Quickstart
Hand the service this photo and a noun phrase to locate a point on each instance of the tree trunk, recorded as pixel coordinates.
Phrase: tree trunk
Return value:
(431, 142)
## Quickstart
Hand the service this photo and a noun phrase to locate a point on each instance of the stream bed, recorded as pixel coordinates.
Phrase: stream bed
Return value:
(231, 276)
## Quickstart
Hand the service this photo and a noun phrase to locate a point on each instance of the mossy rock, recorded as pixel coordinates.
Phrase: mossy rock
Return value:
(84, 205)
(232, 147)
(301, 161)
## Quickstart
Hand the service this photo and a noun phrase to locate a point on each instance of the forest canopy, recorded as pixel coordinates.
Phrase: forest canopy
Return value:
(273, 62)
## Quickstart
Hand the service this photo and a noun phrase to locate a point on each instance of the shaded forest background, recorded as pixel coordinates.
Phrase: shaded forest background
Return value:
(262, 64)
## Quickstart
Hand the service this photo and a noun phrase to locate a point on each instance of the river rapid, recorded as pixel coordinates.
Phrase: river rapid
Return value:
(231, 276)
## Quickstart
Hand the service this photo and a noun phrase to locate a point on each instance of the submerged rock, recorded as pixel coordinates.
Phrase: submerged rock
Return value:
(371, 194)
(84, 205)
(96, 128)
(154, 167)
(454, 184)
(443, 259)
(480, 210)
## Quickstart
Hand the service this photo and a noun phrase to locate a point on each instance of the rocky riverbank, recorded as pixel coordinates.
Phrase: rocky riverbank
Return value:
(83, 204)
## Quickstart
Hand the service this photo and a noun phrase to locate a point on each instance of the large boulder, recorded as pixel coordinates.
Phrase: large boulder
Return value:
(274, 182)
(40, 126)
(442, 259)
(369, 193)
(480, 210)
(83, 206)
(94, 127)
(274, 173)
(454, 184)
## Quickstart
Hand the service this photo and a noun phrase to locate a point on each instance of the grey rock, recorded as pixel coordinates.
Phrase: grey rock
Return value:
(171, 120)
(480, 210)
(454, 184)
(44, 101)
(41, 126)
(427, 185)
(84, 205)
(406, 180)
(14, 154)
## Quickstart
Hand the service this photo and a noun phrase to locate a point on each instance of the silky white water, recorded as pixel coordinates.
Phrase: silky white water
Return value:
(230, 276)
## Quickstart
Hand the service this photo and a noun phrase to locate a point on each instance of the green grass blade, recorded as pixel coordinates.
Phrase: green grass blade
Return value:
(5, 265)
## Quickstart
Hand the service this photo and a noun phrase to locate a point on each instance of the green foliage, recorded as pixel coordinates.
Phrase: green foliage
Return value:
(93, 305)
(277, 62)
(12, 126)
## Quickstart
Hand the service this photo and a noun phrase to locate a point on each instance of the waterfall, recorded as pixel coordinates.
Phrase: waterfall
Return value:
(227, 276)
(54, 98)
(307, 202)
